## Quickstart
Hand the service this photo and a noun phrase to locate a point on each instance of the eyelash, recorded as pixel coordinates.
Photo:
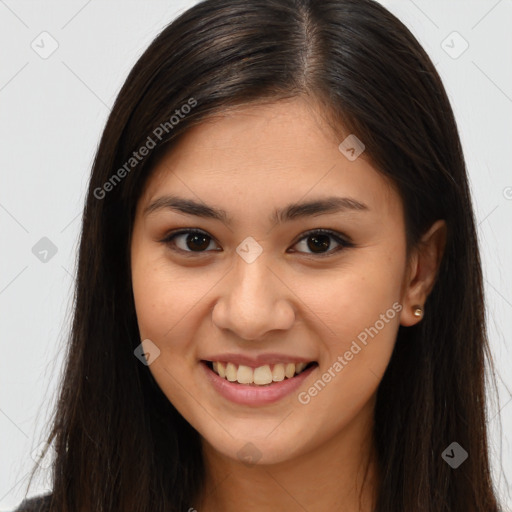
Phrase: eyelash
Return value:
(341, 239)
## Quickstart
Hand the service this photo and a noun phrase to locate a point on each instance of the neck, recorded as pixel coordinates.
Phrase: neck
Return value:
(341, 474)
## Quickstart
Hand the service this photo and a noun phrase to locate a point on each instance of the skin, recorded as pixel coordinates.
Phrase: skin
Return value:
(248, 162)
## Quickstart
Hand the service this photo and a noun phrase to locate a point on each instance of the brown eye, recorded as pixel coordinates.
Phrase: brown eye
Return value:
(318, 243)
(189, 241)
(321, 241)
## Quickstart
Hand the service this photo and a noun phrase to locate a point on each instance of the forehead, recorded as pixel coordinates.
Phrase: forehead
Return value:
(267, 154)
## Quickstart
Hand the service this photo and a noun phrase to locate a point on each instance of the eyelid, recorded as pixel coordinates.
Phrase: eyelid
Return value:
(343, 240)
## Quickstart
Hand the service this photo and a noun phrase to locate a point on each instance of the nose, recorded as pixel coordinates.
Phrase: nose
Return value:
(254, 300)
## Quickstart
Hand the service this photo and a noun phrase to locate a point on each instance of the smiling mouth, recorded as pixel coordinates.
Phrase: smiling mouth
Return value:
(265, 375)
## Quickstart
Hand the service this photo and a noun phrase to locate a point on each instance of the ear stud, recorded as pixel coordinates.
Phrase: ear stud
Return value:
(418, 311)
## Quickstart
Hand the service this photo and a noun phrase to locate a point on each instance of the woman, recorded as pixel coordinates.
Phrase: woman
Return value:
(279, 302)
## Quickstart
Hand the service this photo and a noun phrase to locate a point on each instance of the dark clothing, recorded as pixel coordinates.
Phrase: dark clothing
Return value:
(36, 504)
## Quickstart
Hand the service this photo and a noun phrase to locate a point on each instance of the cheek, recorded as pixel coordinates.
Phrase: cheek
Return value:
(167, 306)
(169, 302)
(152, 296)
(359, 314)
(352, 298)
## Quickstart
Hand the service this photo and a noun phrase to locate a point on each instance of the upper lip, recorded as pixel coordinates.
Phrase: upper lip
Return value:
(256, 361)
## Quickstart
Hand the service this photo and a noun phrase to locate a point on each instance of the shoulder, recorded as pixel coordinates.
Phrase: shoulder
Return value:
(35, 504)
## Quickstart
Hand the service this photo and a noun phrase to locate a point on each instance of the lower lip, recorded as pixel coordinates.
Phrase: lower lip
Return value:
(256, 395)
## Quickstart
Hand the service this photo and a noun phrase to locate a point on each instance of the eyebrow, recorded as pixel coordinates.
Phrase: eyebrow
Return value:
(291, 212)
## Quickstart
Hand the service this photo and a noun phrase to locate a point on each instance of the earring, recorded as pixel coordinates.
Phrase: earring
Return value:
(418, 311)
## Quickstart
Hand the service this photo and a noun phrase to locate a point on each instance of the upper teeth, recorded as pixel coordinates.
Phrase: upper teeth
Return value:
(261, 375)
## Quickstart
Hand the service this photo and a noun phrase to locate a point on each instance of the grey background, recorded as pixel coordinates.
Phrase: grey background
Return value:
(52, 114)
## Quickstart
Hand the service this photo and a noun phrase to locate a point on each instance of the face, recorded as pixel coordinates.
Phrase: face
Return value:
(258, 286)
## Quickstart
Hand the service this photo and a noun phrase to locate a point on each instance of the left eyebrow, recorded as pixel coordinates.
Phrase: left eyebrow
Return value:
(291, 212)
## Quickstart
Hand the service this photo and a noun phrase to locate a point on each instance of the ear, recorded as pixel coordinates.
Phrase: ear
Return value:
(421, 271)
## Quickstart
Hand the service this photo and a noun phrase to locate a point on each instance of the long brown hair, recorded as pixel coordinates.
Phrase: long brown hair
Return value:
(120, 444)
